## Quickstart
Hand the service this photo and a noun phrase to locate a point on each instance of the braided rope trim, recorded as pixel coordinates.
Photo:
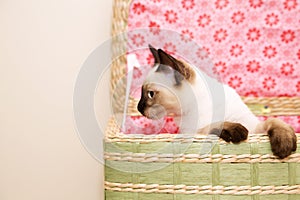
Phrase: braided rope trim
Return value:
(208, 189)
(289, 106)
(257, 138)
(277, 105)
(197, 158)
(113, 134)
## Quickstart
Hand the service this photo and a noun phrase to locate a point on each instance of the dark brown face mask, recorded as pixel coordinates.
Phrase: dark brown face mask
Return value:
(167, 64)
(143, 102)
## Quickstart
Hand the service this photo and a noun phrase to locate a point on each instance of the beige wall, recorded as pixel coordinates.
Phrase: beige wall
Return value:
(42, 46)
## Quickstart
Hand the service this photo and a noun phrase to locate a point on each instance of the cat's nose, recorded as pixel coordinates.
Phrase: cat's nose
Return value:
(141, 106)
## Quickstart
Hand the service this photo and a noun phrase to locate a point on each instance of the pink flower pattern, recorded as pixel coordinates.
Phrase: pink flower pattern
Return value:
(298, 86)
(170, 48)
(238, 17)
(272, 19)
(220, 4)
(139, 8)
(252, 94)
(269, 51)
(138, 39)
(253, 34)
(236, 50)
(287, 36)
(187, 35)
(269, 83)
(287, 69)
(220, 67)
(220, 35)
(253, 66)
(188, 4)
(171, 16)
(253, 45)
(290, 4)
(204, 20)
(154, 27)
(235, 82)
(203, 53)
(255, 3)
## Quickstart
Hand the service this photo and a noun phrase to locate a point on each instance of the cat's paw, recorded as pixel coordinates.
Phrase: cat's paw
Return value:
(283, 141)
(282, 137)
(231, 132)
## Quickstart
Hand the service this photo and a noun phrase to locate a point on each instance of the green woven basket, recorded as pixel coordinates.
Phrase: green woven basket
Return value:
(196, 167)
(185, 167)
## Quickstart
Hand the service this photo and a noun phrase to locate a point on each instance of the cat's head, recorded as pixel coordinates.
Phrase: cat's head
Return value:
(165, 86)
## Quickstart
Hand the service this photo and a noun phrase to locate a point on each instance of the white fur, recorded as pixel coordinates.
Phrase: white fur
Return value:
(204, 101)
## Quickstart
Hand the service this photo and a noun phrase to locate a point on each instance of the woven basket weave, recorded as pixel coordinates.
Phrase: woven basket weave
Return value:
(228, 171)
(170, 166)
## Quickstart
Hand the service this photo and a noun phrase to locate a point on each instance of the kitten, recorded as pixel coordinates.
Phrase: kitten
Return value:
(202, 104)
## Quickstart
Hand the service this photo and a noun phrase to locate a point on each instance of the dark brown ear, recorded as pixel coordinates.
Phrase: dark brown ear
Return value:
(185, 71)
(154, 53)
(166, 59)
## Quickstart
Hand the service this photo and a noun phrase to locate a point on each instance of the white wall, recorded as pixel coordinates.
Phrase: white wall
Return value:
(42, 46)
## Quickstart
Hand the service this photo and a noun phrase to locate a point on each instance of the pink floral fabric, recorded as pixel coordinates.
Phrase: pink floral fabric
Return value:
(142, 125)
(252, 45)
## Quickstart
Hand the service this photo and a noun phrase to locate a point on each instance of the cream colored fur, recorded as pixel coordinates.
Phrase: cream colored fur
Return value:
(194, 103)
(199, 102)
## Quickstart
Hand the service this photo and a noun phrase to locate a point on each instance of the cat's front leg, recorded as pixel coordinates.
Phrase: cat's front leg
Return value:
(282, 136)
(228, 131)
(188, 123)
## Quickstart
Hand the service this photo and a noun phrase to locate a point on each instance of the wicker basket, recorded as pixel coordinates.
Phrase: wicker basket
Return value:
(170, 166)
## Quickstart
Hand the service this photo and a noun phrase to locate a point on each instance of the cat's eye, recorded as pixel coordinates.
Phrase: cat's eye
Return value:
(150, 94)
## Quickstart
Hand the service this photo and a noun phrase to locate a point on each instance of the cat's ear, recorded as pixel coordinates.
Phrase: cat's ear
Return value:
(154, 53)
(182, 71)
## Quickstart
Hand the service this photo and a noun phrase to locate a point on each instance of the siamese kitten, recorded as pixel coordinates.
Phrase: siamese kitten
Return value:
(201, 104)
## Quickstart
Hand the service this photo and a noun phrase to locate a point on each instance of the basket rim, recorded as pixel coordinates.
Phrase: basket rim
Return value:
(207, 189)
(114, 134)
